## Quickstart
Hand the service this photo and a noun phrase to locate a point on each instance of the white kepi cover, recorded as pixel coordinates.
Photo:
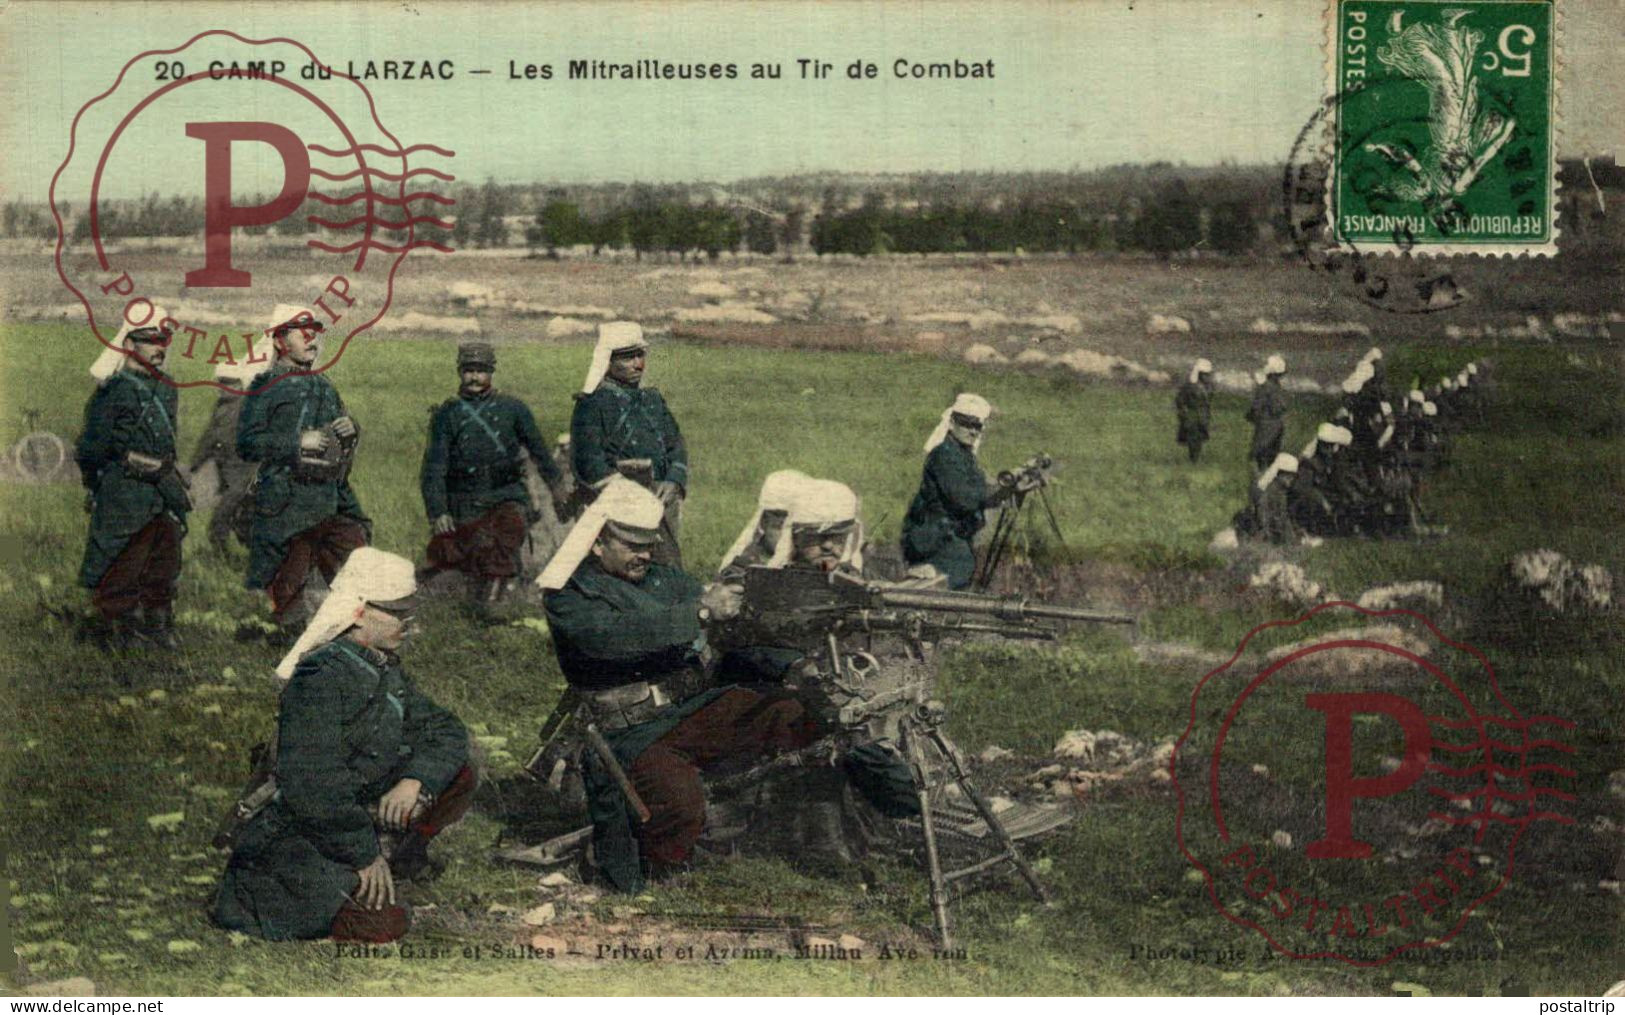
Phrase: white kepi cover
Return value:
(114, 355)
(369, 575)
(622, 501)
(819, 503)
(974, 406)
(778, 490)
(612, 338)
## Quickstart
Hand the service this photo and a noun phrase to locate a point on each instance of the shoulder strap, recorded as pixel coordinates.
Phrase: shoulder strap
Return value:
(484, 424)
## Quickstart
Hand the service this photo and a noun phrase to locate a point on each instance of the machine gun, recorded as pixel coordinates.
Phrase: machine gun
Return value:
(790, 606)
(867, 703)
(1032, 476)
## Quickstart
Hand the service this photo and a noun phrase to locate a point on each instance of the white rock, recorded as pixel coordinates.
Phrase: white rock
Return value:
(1224, 541)
(1079, 744)
(467, 291)
(992, 753)
(556, 879)
(561, 327)
(1033, 357)
(1167, 324)
(713, 291)
(416, 322)
(1054, 322)
(1387, 597)
(1287, 581)
(984, 355)
(725, 313)
(541, 916)
(1282, 839)
(1000, 804)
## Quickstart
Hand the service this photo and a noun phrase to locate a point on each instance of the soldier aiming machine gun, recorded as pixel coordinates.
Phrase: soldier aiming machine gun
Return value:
(1014, 487)
(866, 702)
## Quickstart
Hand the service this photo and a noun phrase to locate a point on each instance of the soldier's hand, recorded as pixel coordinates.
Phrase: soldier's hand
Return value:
(443, 524)
(376, 889)
(668, 492)
(722, 601)
(395, 807)
(345, 427)
(315, 441)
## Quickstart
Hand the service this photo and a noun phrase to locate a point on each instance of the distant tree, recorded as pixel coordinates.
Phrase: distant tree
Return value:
(1170, 222)
(1233, 228)
(558, 224)
(490, 230)
(760, 234)
(12, 217)
(790, 229)
(609, 231)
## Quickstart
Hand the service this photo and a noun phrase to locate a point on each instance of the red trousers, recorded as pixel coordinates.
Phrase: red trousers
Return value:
(483, 547)
(740, 725)
(379, 926)
(144, 573)
(324, 546)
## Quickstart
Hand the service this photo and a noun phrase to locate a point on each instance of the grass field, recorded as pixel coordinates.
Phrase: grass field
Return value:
(118, 768)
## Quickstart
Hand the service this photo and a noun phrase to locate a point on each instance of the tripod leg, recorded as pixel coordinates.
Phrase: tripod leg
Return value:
(939, 887)
(1043, 498)
(986, 811)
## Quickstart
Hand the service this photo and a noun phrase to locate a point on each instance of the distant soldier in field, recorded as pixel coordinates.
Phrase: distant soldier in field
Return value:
(1267, 414)
(296, 429)
(620, 427)
(1268, 515)
(368, 770)
(627, 633)
(473, 479)
(1194, 407)
(1319, 500)
(233, 476)
(137, 501)
(947, 511)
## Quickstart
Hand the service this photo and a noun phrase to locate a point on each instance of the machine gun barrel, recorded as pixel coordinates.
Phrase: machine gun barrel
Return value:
(1002, 607)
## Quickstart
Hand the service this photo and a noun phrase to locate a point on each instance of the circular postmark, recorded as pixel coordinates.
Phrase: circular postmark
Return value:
(227, 185)
(1397, 274)
(1352, 785)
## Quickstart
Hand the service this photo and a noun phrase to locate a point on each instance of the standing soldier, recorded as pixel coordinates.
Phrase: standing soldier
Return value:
(137, 501)
(1267, 414)
(947, 512)
(233, 476)
(473, 478)
(620, 427)
(1194, 407)
(368, 770)
(296, 429)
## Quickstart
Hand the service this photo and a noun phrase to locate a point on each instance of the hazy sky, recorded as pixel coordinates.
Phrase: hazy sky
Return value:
(1079, 84)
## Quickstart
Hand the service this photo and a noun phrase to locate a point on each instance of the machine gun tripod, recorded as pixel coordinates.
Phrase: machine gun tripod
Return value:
(1017, 485)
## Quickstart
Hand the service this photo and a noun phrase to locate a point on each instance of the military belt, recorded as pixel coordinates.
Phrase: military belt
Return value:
(617, 708)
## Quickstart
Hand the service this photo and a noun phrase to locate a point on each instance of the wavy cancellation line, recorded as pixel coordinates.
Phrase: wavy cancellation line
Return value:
(422, 195)
(393, 153)
(373, 220)
(380, 174)
(373, 245)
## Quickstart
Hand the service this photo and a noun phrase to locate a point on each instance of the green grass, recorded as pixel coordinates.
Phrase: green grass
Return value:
(100, 746)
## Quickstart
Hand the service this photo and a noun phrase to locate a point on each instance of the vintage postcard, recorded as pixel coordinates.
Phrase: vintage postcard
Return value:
(801, 498)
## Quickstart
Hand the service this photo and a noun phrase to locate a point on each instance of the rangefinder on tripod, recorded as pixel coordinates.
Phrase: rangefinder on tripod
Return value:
(1030, 475)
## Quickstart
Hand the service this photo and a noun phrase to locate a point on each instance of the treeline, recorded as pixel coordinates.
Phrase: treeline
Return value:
(1158, 208)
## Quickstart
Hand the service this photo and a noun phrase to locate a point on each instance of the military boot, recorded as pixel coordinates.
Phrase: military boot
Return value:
(157, 626)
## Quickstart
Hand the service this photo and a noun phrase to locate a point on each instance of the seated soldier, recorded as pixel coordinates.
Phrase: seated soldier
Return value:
(947, 511)
(368, 769)
(625, 630)
(1267, 515)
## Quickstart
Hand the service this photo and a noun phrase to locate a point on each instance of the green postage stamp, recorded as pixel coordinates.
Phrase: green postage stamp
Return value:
(1444, 120)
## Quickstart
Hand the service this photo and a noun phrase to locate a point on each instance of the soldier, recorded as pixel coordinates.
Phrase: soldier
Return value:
(473, 478)
(759, 540)
(233, 476)
(1194, 407)
(137, 502)
(625, 629)
(621, 427)
(1268, 515)
(368, 770)
(296, 429)
(1267, 414)
(1320, 498)
(947, 512)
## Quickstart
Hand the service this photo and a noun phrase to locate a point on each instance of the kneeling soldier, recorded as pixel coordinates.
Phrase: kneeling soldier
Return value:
(368, 769)
(947, 511)
(137, 501)
(473, 478)
(625, 629)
